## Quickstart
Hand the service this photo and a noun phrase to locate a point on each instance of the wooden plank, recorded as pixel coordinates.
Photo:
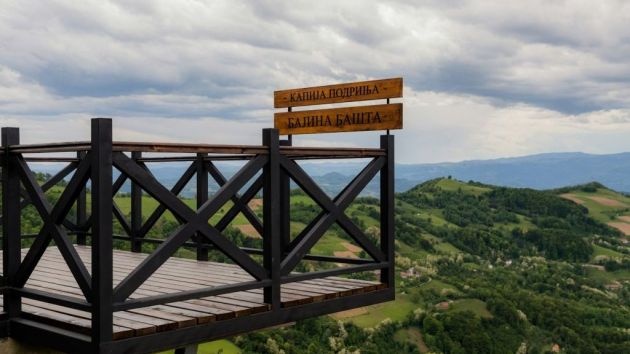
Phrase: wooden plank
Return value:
(160, 323)
(201, 317)
(238, 310)
(139, 328)
(169, 316)
(232, 271)
(52, 275)
(181, 282)
(76, 323)
(181, 321)
(346, 92)
(346, 119)
(176, 283)
(219, 314)
(215, 303)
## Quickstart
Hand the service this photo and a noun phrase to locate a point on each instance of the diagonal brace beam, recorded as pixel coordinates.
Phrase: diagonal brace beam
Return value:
(194, 221)
(52, 181)
(53, 217)
(157, 213)
(319, 196)
(238, 201)
(320, 226)
(245, 198)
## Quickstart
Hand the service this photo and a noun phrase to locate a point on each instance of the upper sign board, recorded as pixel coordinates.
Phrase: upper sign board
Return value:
(348, 92)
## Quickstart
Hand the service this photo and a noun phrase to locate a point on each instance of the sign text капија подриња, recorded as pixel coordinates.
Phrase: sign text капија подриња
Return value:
(348, 92)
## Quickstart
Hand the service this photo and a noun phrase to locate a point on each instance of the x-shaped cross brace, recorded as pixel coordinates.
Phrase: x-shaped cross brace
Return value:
(53, 218)
(333, 212)
(193, 222)
(240, 202)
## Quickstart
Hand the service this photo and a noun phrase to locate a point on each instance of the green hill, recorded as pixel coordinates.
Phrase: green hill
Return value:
(481, 269)
(521, 268)
(603, 204)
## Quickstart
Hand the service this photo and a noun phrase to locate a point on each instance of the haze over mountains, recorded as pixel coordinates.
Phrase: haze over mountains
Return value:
(543, 171)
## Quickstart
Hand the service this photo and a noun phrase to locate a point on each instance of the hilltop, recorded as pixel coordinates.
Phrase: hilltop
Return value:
(604, 204)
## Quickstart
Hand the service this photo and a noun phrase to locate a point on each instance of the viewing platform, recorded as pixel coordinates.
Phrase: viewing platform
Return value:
(96, 279)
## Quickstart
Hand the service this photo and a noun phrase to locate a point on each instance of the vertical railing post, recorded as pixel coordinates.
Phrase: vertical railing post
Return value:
(102, 252)
(11, 222)
(271, 218)
(136, 210)
(81, 209)
(285, 205)
(387, 210)
(202, 197)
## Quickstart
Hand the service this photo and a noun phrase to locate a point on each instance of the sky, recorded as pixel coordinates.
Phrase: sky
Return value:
(482, 79)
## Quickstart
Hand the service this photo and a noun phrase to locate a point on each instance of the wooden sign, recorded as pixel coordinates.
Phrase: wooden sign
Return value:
(348, 92)
(375, 117)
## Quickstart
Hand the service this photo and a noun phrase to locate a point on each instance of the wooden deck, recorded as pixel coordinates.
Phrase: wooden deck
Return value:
(177, 274)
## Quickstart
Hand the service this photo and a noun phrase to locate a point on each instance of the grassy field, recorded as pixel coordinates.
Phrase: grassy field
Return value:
(216, 347)
(607, 277)
(437, 285)
(149, 205)
(447, 248)
(603, 205)
(413, 336)
(452, 185)
(412, 253)
(475, 305)
(395, 310)
(441, 246)
(328, 245)
(603, 251)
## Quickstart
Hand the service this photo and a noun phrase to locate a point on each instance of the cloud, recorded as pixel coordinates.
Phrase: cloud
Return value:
(483, 79)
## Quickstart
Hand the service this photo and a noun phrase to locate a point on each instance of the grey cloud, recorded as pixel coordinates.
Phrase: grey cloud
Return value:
(196, 59)
(214, 48)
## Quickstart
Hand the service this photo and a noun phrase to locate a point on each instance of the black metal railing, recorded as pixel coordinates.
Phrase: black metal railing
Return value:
(269, 169)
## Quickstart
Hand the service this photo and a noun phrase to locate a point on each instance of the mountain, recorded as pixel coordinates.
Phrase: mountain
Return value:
(542, 171)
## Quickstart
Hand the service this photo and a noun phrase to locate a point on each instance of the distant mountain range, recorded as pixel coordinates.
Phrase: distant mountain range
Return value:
(542, 171)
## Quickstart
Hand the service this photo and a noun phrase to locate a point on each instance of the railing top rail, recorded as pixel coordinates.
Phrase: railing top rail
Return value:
(72, 146)
(189, 148)
(234, 150)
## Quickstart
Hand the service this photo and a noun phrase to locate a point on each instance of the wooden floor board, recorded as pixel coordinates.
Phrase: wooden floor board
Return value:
(177, 274)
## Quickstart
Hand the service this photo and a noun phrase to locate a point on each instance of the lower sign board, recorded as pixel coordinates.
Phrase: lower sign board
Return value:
(346, 119)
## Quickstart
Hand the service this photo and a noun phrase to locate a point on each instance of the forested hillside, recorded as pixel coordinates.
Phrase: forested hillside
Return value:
(481, 269)
(486, 270)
